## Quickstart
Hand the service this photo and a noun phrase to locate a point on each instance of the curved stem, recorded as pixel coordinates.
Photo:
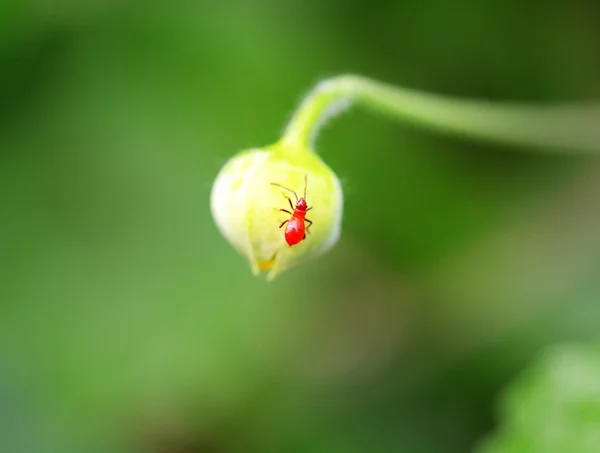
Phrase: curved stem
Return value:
(567, 127)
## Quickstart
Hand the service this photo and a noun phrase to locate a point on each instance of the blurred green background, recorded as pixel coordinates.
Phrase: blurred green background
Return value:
(128, 324)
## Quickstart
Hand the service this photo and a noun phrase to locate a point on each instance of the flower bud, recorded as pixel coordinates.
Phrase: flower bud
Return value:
(246, 206)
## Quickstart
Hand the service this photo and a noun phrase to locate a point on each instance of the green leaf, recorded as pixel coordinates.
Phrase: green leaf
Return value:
(554, 407)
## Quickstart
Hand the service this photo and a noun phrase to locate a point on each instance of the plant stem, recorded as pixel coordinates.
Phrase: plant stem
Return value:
(562, 127)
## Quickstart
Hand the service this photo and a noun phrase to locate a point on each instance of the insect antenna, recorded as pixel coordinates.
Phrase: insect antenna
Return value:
(286, 188)
(305, 182)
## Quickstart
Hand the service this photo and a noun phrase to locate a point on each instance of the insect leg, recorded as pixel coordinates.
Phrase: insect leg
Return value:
(291, 205)
(308, 209)
(283, 223)
(285, 210)
(309, 221)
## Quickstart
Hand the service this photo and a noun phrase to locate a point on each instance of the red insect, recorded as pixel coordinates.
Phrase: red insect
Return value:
(295, 231)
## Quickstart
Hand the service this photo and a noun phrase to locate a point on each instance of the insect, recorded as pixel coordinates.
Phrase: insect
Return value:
(295, 231)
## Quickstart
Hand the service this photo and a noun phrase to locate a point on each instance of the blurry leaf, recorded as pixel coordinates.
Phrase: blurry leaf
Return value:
(554, 407)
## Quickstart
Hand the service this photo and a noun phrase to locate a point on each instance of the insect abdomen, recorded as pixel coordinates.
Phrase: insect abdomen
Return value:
(294, 232)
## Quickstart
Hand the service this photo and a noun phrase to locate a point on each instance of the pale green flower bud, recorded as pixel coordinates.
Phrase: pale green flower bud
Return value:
(246, 206)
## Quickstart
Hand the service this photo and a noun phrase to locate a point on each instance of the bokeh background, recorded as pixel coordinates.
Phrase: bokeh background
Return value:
(128, 324)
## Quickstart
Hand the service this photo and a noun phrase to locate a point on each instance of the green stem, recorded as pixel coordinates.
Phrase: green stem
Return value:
(567, 127)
